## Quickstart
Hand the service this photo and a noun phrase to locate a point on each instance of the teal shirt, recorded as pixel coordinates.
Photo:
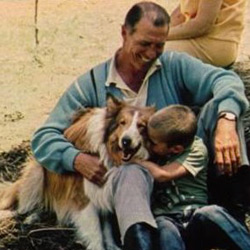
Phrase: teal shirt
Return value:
(180, 80)
(189, 191)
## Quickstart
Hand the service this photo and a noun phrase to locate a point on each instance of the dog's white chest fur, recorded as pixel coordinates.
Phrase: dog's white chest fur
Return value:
(101, 197)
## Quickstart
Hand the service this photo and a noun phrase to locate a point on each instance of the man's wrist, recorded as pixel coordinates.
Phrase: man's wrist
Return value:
(78, 161)
(228, 116)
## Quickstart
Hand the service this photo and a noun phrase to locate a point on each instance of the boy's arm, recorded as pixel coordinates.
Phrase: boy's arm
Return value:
(192, 161)
(164, 173)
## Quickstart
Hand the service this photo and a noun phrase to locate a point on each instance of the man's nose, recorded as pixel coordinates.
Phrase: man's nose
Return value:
(151, 52)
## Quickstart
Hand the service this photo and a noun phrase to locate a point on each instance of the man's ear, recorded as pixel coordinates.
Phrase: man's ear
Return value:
(177, 149)
(124, 31)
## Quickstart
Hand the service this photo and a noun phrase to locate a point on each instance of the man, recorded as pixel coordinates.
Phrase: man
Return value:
(142, 75)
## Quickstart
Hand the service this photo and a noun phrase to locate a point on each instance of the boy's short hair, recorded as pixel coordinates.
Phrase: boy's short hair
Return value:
(176, 125)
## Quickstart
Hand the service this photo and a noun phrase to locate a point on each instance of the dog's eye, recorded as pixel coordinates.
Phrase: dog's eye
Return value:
(142, 127)
(122, 122)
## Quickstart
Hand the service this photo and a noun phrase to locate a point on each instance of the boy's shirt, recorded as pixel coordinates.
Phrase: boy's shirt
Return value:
(188, 192)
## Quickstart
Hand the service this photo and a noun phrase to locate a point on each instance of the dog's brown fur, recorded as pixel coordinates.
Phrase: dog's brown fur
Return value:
(64, 193)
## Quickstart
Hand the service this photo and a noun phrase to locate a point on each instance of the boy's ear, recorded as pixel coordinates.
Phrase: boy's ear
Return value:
(177, 149)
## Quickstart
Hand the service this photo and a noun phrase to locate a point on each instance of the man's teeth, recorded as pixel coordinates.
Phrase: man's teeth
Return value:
(144, 59)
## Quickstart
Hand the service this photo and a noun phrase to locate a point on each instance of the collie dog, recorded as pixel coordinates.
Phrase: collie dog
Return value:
(117, 134)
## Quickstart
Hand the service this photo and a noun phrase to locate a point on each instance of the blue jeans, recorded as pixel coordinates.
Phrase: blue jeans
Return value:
(208, 227)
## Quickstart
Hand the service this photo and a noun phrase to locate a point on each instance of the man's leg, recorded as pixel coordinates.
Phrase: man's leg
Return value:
(211, 226)
(169, 235)
(132, 188)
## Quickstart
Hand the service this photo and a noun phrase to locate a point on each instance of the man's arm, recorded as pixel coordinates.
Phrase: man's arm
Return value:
(52, 150)
(226, 91)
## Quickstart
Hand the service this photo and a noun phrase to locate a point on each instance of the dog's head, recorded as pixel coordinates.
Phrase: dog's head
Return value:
(126, 130)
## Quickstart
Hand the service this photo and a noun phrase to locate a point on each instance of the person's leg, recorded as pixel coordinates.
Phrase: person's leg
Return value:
(132, 188)
(169, 235)
(188, 46)
(110, 231)
(211, 226)
(140, 236)
(218, 53)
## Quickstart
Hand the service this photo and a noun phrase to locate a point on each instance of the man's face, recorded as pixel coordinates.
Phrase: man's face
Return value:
(145, 44)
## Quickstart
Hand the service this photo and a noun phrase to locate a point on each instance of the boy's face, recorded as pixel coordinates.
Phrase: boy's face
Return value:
(156, 145)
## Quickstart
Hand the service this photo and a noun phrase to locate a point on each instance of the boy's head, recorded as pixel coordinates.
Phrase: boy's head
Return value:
(172, 129)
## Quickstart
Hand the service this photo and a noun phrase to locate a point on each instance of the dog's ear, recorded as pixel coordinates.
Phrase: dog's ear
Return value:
(151, 109)
(113, 104)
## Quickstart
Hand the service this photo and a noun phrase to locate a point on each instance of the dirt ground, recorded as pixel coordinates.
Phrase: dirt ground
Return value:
(73, 36)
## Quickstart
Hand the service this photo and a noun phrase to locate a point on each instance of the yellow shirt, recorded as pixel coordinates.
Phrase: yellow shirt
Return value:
(230, 22)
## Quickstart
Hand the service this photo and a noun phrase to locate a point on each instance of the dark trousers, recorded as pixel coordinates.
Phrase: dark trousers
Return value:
(208, 227)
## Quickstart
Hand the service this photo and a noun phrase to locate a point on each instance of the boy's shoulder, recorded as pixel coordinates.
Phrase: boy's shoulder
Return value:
(195, 157)
(198, 144)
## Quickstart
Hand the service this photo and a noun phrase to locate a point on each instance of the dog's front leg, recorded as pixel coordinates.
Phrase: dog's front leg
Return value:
(88, 228)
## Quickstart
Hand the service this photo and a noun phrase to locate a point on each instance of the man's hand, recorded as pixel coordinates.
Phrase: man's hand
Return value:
(227, 147)
(90, 168)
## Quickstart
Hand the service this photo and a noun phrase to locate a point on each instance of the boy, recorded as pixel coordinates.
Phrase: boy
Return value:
(179, 200)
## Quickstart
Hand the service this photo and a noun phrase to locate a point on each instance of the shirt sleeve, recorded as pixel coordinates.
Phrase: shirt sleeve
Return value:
(195, 158)
(202, 82)
(50, 148)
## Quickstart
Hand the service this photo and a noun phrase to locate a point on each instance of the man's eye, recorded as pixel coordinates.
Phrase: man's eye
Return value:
(145, 44)
(160, 45)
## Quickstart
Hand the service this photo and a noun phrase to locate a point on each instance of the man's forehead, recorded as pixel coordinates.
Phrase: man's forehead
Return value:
(146, 27)
(150, 21)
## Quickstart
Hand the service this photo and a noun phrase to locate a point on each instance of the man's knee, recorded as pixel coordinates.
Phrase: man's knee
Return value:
(169, 235)
(165, 224)
(133, 174)
(213, 213)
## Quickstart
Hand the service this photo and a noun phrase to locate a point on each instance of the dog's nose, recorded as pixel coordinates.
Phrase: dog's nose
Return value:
(126, 141)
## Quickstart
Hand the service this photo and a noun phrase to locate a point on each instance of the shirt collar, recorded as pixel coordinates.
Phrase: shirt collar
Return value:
(115, 79)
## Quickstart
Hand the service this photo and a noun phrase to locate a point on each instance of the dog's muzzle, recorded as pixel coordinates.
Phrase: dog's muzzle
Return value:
(127, 148)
